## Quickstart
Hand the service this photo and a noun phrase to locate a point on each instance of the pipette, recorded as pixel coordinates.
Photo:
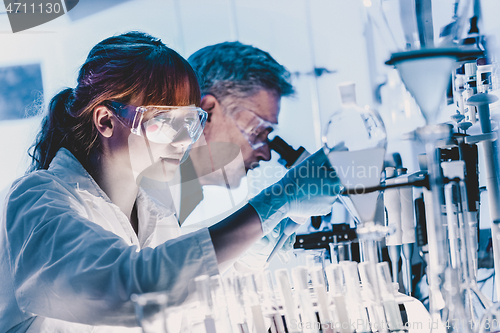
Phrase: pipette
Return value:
(408, 236)
(392, 203)
(490, 151)
(289, 229)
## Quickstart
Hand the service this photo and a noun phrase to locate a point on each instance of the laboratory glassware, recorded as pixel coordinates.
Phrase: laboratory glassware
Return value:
(370, 291)
(476, 302)
(222, 321)
(300, 277)
(391, 308)
(426, 73)
(354, 301)
(338, 304)
(206, 305)
(270, 305)
(490, 153)
(288, 301)
(425, 70)
(151, 311)
(236, 304)
(355, 141)
(319, 286)
(340, 251)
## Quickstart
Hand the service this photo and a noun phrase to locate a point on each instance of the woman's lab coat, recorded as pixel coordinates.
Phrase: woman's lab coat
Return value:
(70, 259)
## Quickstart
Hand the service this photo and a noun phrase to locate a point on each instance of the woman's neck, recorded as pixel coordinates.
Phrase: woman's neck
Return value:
(119, 184)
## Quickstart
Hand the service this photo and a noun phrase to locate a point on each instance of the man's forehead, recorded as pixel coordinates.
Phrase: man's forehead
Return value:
(265, 104)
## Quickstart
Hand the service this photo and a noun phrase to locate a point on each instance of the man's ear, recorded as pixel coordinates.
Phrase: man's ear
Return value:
(209, 103)
(103, 121)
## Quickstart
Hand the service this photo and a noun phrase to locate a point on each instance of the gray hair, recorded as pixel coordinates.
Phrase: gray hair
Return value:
(233, 70)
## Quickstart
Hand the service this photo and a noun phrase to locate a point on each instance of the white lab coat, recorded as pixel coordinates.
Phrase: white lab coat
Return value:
(70, 260)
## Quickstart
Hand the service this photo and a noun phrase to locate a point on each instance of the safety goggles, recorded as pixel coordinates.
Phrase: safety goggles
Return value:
(161, 124)
(254, 128)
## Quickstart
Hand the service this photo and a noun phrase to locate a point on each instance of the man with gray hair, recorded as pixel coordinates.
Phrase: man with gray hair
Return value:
(241, 88)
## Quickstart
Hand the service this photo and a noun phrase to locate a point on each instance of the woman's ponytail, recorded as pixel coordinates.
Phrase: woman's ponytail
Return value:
(56, 126)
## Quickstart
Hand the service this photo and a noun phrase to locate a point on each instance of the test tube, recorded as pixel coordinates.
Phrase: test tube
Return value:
(319, 285)
(206, 302)
(335, 278)
(253, 301)
(236, 304)
(270, 306)
(222, 321)
(289, 306)
(371, 293)
(300, 281)
(391, 308)
(355, 308)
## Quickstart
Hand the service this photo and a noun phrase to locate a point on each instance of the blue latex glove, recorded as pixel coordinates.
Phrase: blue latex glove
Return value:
(255, 257)
(309, 189)
(286, 231)
(284, 251)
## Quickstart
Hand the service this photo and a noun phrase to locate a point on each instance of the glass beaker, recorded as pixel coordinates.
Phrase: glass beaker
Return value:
(340, 251)
(310, 258)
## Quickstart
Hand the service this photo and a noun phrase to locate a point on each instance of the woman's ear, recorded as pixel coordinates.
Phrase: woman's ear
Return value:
(103, 121)
(209, 103)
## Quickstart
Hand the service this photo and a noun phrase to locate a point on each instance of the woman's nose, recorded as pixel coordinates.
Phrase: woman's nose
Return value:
(182, 138)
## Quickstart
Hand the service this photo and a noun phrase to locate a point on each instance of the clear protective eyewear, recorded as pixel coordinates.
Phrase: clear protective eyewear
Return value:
(161, 124)
(254, 128)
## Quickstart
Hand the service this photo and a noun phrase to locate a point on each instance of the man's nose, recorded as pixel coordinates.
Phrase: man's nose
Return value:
(264, 152)
(182, 138)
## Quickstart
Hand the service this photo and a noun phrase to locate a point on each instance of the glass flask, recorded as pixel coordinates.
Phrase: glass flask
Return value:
(355, 141)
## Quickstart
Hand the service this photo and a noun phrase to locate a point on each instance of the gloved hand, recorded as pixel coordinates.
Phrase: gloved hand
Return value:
(273, 237)
(309, 189)
(255, 257)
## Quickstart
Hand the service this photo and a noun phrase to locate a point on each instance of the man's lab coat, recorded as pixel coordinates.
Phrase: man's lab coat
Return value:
(70, 259)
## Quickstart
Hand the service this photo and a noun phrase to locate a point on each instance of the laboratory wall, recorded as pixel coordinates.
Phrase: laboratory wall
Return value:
(321, 42)
(299, 34)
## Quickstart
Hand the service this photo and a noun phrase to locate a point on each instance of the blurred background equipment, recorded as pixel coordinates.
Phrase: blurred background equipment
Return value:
(413, 242)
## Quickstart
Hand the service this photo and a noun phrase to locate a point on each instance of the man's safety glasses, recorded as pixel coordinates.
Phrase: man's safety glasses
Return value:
(161, 124)
(253, 128)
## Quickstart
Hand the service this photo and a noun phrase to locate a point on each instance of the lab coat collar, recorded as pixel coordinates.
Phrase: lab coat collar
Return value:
(67, 168)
